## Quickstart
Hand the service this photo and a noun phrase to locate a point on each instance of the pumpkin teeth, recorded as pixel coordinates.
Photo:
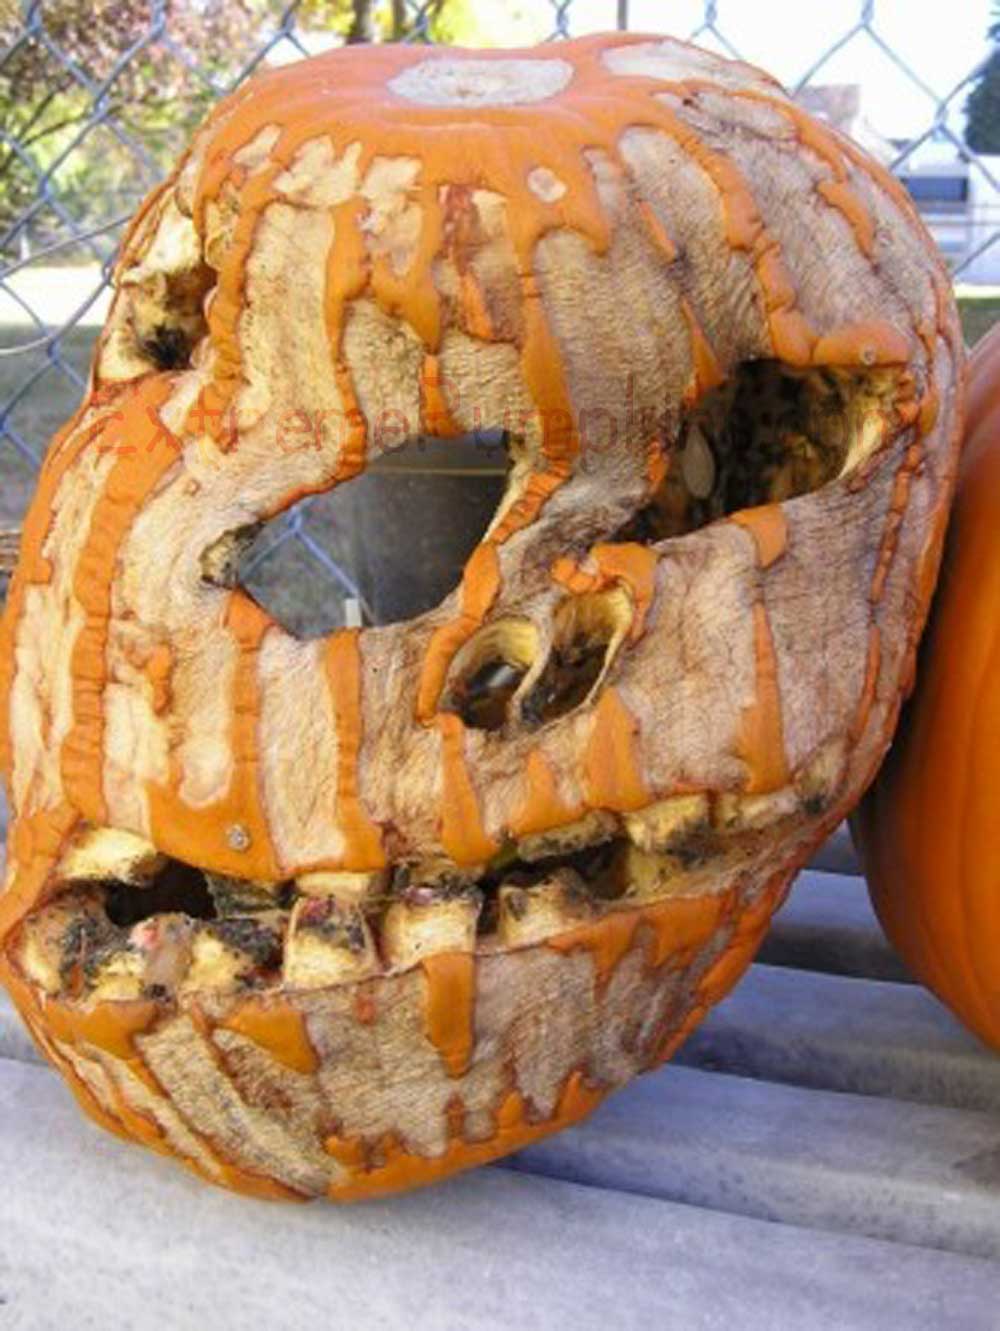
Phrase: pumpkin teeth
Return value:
(529, 914)
(327, 943)
(820, 779)
(120, 976)
(591, 830)
(348, 889)
(55, 940)
(736, 813)
(235, 953)
(668, 822)
(237, 896)
(426, 922)
(166, 941)
(183, 931)
(103, 853)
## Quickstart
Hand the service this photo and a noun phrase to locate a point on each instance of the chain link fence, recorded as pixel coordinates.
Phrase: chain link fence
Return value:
(96, 99)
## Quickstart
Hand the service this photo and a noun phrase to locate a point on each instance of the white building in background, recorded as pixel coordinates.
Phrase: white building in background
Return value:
(961, 206)
(955, 193)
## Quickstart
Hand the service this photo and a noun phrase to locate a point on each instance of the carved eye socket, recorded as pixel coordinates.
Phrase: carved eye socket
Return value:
(769, 433)
(395, 538)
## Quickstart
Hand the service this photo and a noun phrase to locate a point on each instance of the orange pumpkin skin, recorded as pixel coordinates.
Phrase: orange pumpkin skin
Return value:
(928, 829)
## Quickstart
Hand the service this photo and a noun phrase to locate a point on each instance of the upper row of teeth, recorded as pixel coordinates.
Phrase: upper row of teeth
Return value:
(328, 938)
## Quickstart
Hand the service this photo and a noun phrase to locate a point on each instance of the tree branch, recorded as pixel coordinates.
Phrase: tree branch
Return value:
(12, 157)
(37, 111)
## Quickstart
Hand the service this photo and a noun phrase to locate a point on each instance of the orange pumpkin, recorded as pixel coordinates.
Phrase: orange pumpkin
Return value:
(340, 917)
(929, 829)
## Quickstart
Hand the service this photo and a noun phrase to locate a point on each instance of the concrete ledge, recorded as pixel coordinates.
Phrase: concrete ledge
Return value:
(827, 924)
(838, 854)
(841, 1034)
(98, 1233)
(15, 1042)
(911, 1173)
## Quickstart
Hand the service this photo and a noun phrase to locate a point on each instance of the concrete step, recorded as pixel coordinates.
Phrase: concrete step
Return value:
(15, 1042)
(912, 1173)
(835, 1033)
(837, 854)
(97, 1231)
(827, 924)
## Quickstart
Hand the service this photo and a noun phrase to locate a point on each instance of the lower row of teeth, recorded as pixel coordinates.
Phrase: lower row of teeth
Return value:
(337, 928)
(72, 947)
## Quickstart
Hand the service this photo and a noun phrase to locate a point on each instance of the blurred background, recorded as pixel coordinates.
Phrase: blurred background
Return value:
(98, 96)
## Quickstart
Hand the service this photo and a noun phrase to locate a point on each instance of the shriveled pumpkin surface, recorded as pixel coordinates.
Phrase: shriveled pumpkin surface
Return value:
(338, 917)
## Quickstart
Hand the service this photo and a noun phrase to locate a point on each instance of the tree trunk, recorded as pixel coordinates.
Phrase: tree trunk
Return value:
(362, 27)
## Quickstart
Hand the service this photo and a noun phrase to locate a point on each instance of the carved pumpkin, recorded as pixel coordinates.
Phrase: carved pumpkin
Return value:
(928, 829)
(342, 916)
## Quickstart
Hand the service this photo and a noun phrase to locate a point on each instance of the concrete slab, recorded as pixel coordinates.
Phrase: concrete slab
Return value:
(93, 1232)
(15, 1042)
(843, 1034)
(837, 855)
(827, 924)
(896, 1170)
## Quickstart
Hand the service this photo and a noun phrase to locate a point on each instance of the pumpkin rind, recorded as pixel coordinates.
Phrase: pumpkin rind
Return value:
(621, 228)
(928, 829)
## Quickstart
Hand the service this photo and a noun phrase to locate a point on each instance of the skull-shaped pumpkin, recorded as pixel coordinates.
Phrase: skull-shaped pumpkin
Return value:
(342, 916)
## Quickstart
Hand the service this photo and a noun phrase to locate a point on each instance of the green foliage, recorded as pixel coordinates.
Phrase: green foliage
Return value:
(99, 127)
(982, 108)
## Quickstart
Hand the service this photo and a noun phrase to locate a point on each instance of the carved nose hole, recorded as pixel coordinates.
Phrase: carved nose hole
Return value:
(488, 672)
(588, 632)
(482, 699)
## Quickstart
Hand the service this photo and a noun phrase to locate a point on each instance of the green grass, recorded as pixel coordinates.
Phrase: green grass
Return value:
(979, 314)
